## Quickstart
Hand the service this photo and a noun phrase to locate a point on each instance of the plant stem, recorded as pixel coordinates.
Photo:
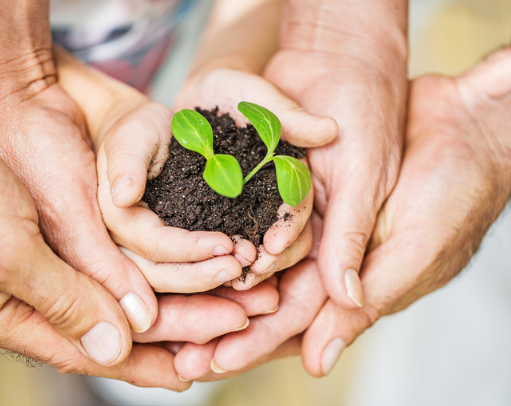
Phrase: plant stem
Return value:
(267, 159)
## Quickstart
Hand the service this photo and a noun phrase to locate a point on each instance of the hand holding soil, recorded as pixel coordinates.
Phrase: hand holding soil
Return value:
(288, 239)
(421, 240)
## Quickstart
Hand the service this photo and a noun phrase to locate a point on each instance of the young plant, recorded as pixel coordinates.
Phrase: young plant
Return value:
(223, 173)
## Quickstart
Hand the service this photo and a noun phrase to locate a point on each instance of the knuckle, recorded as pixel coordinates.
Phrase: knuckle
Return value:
(66, 363)
(63, 311)
(356, 241)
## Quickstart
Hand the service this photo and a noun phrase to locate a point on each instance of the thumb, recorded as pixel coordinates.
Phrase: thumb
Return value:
(298, 126)
(78, 308)
(394, 274)
(134, 147)
(349, 222)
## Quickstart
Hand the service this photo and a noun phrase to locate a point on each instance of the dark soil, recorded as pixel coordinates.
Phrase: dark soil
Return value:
(182, 198)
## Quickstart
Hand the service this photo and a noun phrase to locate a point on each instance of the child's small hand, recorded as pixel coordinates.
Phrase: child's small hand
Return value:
(131, 150)
(289, 241)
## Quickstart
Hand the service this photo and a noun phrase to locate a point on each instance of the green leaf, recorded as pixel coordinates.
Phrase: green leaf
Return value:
(293, 179)
(223, 175)
(193, 132)
(265, 122)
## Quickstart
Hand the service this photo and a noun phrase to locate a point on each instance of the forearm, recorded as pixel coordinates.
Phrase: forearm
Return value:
(239, 35)
(26, 64)
(98, 95)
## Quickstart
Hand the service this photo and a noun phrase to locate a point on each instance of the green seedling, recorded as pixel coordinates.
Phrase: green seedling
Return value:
(223, 173)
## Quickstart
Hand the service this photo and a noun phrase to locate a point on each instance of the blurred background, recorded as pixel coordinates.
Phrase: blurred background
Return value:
(450, 348)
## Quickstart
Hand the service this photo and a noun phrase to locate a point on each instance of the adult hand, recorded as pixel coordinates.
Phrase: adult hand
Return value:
(54, 314)
(82, 329)
(44, 141)
(455, 180)
(347, 62)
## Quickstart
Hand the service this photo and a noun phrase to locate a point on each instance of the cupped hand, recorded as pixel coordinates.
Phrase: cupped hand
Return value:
(82, 329)
(301, 297)
(44, 141)
(54, 314)
(455, 180)
(172, 259)
(287, 241)
(353, 175)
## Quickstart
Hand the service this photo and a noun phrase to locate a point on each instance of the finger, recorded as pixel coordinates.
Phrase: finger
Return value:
(346, 232)
(290, 223)
(261, 299)
(193, 361)
(4, 297)
(133, 147)
(301, 297)
(33, 336)
(267, 263)
(196, 355)
(76, 306)
(298, 126)
(187, 277)
(197, 318)
(141, 231)
(330, 333)
(244, 251)
(70, 219)
(246, 281)
(397, 259)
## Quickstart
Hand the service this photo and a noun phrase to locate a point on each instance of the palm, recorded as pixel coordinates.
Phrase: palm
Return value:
(437, 198)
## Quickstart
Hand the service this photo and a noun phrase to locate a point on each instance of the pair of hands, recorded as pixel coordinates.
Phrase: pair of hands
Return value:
(415, 225)
(454, 181)
(54, 161)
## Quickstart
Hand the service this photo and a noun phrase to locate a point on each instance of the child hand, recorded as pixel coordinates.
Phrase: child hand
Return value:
(287, 241)
(131, 150)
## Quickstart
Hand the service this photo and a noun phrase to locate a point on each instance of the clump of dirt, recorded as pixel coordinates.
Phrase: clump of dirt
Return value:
(182, 198)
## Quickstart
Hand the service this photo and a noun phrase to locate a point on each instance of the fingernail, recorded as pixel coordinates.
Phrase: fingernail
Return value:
(219, 251)
(183, 379)
(243, 262)
(353, 287)
(331, 354)
(242, 327)
(216, 369)
(102, 343)
(224, 276)
(251, 280)
(137, 312)
(271, 268)
(272, 311)
(120, 185)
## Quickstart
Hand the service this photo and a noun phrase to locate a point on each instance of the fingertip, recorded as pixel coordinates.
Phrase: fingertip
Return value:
(244, 251)
(343, 287)
(309, 131)
(126, 193)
